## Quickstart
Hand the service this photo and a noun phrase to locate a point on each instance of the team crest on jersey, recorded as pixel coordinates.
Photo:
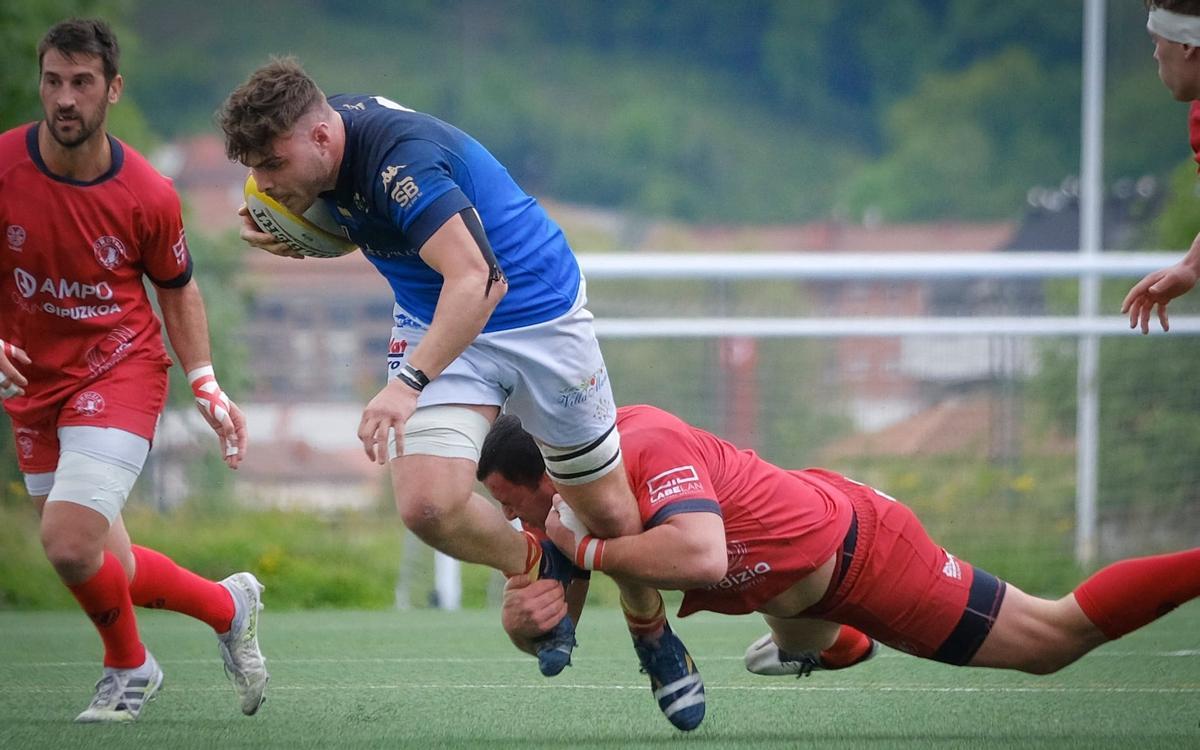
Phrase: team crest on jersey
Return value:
(89, 403)
(16, 237)
(110, 251)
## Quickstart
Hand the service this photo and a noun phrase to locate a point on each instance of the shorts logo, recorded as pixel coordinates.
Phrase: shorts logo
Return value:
(16, 237)
(25, 445)
(89, 403)
(951, 569)
(396, 349)
(404, 321)
(109, 251)
(673, 483)
(583, 391)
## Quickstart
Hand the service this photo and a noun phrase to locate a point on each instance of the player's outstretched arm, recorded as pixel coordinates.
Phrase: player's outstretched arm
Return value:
(1159, 288)
(685, 551)
(187, 327)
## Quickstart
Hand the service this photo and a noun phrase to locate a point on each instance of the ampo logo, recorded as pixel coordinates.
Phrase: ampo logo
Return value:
(26, 283)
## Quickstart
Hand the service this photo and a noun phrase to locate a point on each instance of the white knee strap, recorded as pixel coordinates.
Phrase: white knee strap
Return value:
(583, 464)
(445, 431)
(92, 483)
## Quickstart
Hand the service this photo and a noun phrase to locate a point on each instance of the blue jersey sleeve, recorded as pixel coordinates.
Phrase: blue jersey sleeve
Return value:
(416, 191)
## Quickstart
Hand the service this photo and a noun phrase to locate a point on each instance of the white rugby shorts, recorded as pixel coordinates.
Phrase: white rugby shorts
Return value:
(551, 375)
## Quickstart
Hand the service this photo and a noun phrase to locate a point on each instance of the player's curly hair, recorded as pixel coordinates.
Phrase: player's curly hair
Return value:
(268, 104)
(1184, 7)
(83, 36)
(510, 451)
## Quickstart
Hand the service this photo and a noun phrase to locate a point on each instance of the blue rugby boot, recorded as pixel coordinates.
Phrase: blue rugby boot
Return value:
(554, 648)
(674, 678)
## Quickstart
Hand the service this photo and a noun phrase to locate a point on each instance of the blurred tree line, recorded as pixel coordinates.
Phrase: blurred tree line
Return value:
(711, 110)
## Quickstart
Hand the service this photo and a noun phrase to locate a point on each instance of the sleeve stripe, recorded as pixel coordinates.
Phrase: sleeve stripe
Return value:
(698, 505)
(180, 280)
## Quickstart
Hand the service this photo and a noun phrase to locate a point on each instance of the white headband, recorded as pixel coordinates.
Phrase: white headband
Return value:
(1175, 27)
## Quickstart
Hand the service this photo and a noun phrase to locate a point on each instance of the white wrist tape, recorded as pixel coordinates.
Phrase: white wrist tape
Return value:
(589, 550)
(209, 396)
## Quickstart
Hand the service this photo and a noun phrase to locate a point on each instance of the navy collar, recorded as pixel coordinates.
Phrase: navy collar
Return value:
(35, 153)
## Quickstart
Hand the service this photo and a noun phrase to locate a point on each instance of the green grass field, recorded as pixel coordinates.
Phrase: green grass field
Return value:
(433, 679)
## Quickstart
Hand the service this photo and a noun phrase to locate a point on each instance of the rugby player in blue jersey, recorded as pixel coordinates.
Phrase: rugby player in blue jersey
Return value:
(489, 313)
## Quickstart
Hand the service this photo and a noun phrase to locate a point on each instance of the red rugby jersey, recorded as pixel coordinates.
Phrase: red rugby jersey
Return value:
(71, 267)
(779, 525)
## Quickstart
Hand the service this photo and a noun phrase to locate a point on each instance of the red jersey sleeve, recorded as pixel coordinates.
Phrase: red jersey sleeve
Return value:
(1194, 129)
(666, 470)
(165, 256)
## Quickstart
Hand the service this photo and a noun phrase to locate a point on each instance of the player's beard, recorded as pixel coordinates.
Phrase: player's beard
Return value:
(87, 126)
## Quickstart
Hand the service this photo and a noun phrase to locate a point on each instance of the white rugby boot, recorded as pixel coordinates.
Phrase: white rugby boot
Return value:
(122, 693)
(244, 662)
(766, 658)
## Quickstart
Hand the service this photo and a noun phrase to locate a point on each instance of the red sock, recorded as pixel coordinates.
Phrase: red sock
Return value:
(105, 599)
(1127, 595)
(645, 625)
(533, 557)
(161, 584)
(849, 647)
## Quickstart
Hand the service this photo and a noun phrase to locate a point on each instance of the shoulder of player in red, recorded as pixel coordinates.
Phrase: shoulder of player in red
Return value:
(667, 467)
(1194, 129)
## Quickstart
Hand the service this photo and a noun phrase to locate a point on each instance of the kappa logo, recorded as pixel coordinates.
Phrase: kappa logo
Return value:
(89, 403)
(673, 483)
(16, 237)
(404, 192)
(109, 251)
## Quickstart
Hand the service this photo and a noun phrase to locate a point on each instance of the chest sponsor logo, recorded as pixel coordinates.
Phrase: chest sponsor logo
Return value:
(673, 483)
(405, 191)
(15, 234)
(89, 403)
(63, 290)
(109, 251)
(60, 289)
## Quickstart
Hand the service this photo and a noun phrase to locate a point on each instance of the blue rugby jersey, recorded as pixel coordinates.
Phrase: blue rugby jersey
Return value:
(404, 173)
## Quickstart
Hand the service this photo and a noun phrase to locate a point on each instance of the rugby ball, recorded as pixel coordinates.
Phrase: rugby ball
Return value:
(314, 234)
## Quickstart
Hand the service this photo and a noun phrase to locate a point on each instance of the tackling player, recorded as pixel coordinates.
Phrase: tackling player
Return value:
(1174, 25)
(489, 313)
(83, 370)
(833, 565)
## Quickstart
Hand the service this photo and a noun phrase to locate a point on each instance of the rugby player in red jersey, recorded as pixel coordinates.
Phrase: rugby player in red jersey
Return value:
(83, 369)
(832, 565)
(1174, 25)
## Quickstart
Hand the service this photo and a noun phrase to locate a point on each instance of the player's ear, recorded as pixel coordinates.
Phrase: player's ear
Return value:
(115, 87)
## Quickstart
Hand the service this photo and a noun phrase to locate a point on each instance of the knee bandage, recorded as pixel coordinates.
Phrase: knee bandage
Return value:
(583, 464)
(446, 431)
(92, 483)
